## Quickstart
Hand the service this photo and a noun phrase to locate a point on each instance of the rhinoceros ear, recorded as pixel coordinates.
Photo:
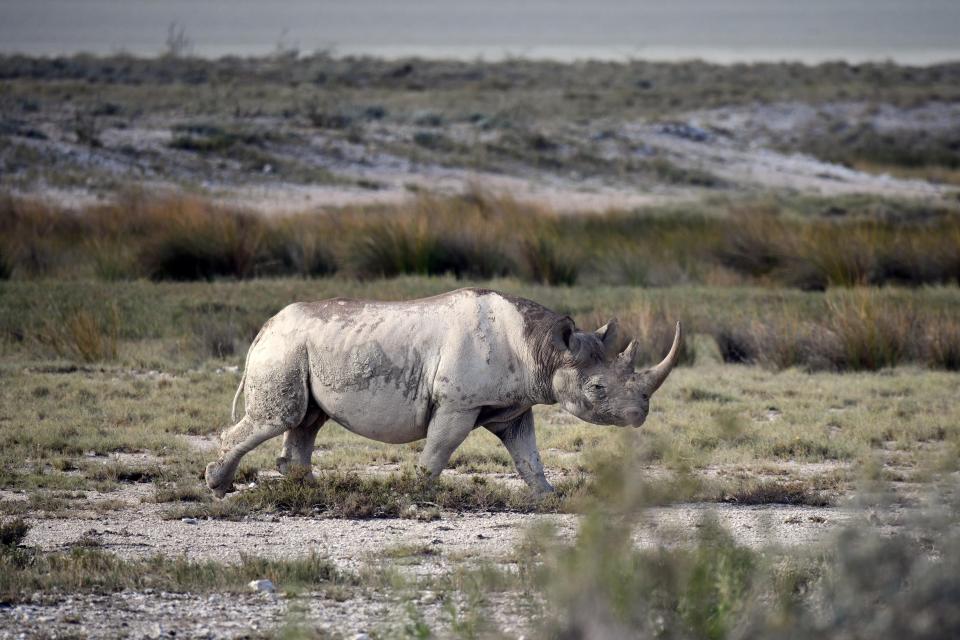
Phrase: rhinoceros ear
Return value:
(609, 335)
(563, 335)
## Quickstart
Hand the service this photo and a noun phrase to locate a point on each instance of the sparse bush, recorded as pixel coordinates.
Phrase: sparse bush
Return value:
(13, 532)
(432, 140)
(325, 116)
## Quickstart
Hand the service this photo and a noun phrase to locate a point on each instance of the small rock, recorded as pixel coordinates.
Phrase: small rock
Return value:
(189, 521)
(361, 636)
(263, 586)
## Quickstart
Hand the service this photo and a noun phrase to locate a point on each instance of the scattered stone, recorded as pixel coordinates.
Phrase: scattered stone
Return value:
(189, 521)
(263, 586)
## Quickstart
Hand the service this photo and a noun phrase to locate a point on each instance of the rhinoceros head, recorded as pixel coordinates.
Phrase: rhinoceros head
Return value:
(598, 383)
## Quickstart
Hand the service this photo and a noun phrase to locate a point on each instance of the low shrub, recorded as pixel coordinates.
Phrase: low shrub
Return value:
(350, 495)
(13, 532)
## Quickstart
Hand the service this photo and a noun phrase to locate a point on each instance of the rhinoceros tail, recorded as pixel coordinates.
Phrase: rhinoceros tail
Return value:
(243, 376)
(236, 396)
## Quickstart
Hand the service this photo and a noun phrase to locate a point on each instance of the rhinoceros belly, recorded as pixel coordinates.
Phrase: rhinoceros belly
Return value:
(372, 393)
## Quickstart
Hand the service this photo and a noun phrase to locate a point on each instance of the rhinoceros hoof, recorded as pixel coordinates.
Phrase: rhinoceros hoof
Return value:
(214, 478)
(283, 465)
(544, 491)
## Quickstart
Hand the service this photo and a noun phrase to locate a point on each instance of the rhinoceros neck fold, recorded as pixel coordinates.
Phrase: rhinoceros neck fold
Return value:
(542, 356)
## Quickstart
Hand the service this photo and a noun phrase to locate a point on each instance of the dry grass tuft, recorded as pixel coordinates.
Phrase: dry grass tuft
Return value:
(83, 335)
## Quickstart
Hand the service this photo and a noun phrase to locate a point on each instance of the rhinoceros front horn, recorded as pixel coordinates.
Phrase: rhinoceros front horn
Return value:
(655, 376)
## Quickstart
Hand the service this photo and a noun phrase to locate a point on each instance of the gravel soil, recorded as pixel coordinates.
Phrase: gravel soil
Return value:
(457, 539)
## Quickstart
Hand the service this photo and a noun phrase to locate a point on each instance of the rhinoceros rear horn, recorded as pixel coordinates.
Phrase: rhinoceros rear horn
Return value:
(654, 376)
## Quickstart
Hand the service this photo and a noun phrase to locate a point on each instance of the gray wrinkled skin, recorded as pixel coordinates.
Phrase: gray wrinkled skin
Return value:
(434, 368)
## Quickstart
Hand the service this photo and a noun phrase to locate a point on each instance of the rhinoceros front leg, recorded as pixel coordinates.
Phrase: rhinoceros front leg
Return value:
(446, 432)
(520, 439)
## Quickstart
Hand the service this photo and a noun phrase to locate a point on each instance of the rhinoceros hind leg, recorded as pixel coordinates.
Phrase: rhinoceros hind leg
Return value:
(298, 442)
(236, 443)
(240, 439)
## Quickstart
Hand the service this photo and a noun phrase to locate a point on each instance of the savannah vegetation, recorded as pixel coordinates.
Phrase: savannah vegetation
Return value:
(820, 368)
(109, 384)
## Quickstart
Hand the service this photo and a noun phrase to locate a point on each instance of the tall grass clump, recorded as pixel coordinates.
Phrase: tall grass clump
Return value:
(464, 237)
(199, 243)
(82, 334)
(302, 246)
(869, 334)
(546, 262)
(941, 343)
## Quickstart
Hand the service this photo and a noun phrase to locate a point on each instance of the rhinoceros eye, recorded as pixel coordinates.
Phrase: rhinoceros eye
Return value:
(596, 389)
